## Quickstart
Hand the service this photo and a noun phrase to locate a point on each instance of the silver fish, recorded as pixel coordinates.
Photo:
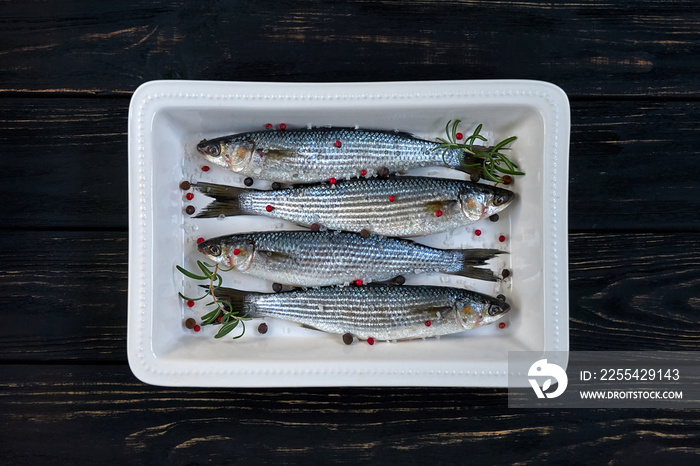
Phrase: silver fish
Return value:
(400, 206)
(318, 154)
(379, 312)
(312, 259)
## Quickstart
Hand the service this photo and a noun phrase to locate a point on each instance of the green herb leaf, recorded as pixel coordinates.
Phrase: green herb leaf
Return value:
(226, 329)
(190, 274)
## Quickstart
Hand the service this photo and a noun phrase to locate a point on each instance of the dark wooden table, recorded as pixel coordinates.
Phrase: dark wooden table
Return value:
(67, 71)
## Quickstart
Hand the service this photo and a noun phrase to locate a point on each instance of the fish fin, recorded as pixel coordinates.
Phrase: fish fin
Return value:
(438, 311)
(275, 256)
(472, 258)
(218, 191)
(433, 207)
(225, 200)
(279, 154)
(309, 327)
(396, 281)
(239, 300)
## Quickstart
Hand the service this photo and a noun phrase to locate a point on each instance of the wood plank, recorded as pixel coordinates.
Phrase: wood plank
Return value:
(632, 47)
(633, 166)
(64, 163)
(625, 171)
(47, 412)
(63, 294)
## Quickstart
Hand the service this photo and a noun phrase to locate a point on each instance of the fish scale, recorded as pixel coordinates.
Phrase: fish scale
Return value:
(311, 155)
(360, 204)
(383, 313)
(304, 258)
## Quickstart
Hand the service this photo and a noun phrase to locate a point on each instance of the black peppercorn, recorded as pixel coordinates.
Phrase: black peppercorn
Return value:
(185, 185)
(248, 181)
(494, 218)
(347, 339)
(276, 287)
(189, 209)
(262, 328)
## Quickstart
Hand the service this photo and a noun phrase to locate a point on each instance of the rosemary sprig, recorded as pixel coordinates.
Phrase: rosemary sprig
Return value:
(230, 318)
(492, 160)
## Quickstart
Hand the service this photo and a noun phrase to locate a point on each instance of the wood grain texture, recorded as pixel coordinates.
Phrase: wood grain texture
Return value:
(63, 163)
(65, 294)
(130, 423)
(631, 48)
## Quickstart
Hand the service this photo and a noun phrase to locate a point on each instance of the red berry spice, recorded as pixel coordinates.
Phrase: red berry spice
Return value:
(370, 341)
(332, 181)
(205, 168)
(338, 143)
(283, 126)
(269, 208)
(199, 240)
(190, 303)
(428, 323)
(363, 172)
(501, 238)
(459, 136)
(392, 198)
(438, 213)
(268, 126)
(218, 319)
(358, 282)
(197, 328)
(477, 232)
(189, 196)
(502, 325)
(236, 252)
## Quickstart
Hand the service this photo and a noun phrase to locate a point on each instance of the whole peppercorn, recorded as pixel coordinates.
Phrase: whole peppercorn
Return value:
(347, 339)
(185, 185)
(190, 323)
(276, 287)
(189, 210)
(248, 181)
(262, 328)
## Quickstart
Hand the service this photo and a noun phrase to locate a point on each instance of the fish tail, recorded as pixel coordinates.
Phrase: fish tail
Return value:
(226, 200)
(471, 259)
(240, 301)
(468, 163)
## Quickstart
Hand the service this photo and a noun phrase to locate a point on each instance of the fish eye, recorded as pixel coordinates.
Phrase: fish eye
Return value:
(214, 150)
(215, 250)
(499, 200)
(495, 309)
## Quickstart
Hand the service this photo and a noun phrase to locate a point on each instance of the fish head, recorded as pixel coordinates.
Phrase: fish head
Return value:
(479, 310)
(234, 154)
(231, 251)
(481, 201)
